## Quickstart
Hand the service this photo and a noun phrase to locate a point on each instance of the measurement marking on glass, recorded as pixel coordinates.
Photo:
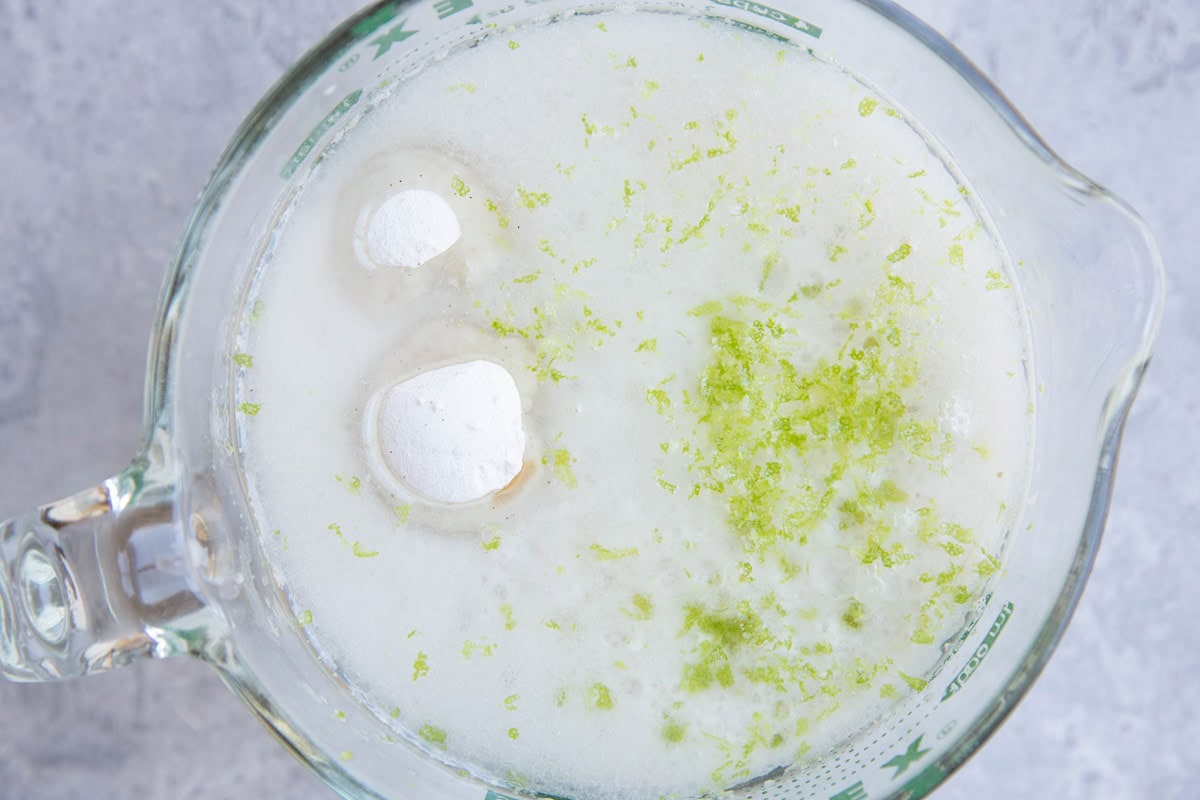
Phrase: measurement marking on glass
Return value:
(981, 652)
(926, 781)
(774, 14)
(368, 25)
(497, 796)
(306, 147)
(746, 26)
(855, 792)
(906, 759)
(394, 36)
(446, 8)
(478, 20)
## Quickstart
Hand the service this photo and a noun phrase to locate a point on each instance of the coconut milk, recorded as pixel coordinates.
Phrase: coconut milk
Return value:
(773, 389)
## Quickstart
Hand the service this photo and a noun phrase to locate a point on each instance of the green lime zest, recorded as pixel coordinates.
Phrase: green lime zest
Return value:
(995, 280)
(724, 631)
(706, 309)
(673, 732)
(868, 215)
(533, 200)
(591, 128)
(420, 666)
(433, 735)
(956, 255)
(352, 483)
(660, 400)
(644, 607)
(560, 461)
(550, 349)
(788, 449)
(632, 189)
(492, 206)
(469, 648)
(361, 552)
(987, 567)
(599, 697)
(855, 616)
(603, 553)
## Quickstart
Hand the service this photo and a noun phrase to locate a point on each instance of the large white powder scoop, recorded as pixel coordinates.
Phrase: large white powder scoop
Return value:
(408, 229)
(453, 434)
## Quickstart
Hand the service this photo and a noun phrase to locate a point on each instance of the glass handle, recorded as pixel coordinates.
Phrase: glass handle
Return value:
(98, 580)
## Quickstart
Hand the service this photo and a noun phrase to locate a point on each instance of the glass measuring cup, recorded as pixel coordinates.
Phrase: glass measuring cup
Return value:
(182, 349)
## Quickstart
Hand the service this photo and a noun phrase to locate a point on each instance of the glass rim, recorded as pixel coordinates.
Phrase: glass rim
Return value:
(278, 100)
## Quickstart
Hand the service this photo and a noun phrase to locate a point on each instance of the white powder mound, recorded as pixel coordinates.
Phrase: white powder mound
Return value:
(410, 228)
(454, 434)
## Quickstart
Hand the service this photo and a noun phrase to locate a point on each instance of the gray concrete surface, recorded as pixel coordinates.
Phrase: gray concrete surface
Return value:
(111, 114)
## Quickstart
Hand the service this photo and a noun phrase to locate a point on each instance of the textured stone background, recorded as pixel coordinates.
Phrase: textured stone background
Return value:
(112, 112)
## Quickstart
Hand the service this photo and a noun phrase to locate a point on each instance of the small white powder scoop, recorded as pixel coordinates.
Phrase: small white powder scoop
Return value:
(408, 229)
(453, 434)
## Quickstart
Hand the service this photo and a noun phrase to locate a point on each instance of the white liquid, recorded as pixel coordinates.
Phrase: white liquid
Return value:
(678, 593)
